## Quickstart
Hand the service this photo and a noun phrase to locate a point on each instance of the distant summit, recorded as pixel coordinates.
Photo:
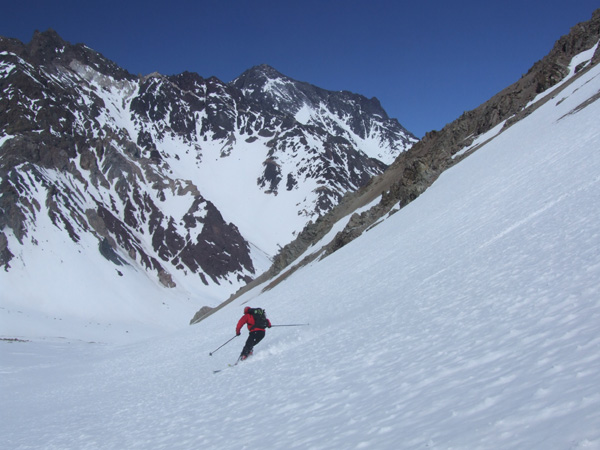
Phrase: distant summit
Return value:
(264, 71)
(360, 120)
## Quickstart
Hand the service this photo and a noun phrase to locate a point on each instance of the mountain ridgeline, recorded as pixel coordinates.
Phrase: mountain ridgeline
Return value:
(153, 168)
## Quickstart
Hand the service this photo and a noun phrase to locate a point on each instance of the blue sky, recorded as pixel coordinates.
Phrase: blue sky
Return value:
(427, 61)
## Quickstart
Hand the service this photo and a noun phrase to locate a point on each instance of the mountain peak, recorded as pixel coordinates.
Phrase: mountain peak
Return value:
(341, 113)
(264, 70)
(45, 46)
(258, 76)
(49, 36)
(49, 48)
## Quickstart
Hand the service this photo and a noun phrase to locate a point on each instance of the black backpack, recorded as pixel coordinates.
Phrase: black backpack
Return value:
(260, 317)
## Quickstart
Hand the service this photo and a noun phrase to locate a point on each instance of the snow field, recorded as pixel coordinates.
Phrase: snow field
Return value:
(92, 300)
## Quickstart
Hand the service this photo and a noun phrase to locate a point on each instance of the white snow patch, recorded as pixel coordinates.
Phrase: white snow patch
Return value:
(4, 138)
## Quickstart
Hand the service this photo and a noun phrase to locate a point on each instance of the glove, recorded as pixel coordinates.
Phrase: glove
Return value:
(237, 333)
(269, 326)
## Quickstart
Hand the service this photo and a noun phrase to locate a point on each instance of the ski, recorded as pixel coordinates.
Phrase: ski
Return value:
(228, 366)
(221, 370)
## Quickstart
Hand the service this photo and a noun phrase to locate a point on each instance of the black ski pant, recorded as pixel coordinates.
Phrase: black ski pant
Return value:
(253, 338)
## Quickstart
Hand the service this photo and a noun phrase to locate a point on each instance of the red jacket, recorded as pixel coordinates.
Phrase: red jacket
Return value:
(248, 319)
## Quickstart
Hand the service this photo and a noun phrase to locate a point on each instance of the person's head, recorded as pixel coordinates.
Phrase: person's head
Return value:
(246, 309)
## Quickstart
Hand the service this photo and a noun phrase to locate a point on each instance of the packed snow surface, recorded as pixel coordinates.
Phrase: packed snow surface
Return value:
(470, 319)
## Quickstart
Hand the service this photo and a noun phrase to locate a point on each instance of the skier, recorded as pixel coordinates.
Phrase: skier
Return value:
(257, 321)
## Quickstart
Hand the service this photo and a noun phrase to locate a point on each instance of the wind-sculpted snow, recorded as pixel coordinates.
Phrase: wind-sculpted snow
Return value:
(467, 320)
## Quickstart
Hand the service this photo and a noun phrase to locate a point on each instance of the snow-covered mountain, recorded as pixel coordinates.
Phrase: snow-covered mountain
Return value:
(193, 181)
(469, 319)
(359, 120)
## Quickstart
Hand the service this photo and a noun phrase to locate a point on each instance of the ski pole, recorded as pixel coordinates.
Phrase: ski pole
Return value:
(292, 325)
(210, 354)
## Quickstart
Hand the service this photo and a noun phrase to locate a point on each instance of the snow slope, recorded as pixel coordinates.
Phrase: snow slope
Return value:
(468, 320)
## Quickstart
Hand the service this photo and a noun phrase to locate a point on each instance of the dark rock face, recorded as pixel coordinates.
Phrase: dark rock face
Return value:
(202, 313)
(92, 140)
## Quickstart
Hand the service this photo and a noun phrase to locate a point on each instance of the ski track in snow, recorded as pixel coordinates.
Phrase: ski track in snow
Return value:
(468, 320)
